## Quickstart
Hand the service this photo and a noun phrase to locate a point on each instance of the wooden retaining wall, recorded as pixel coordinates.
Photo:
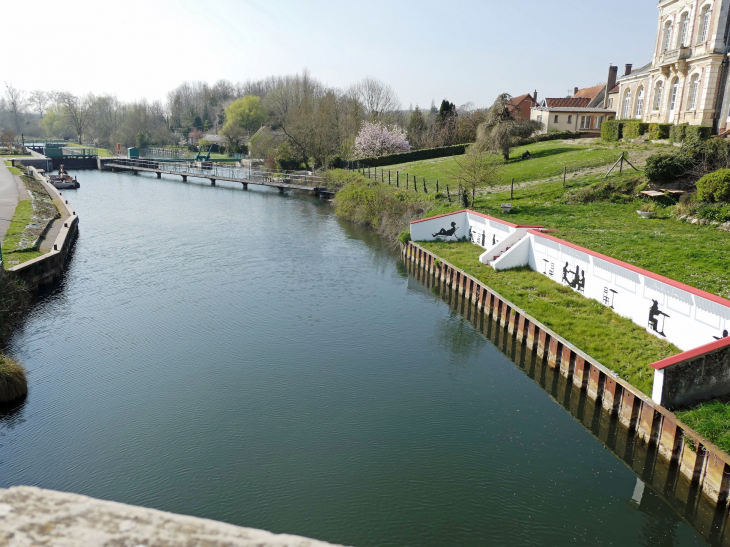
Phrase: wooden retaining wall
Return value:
(705, 466)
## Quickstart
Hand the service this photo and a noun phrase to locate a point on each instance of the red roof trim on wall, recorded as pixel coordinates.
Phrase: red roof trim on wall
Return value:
(481, 215)
(647, 273)
(691, 354)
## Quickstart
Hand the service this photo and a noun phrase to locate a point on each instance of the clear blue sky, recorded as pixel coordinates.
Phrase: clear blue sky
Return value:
(466, 51)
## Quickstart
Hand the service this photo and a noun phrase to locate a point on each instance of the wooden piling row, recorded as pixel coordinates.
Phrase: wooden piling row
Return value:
(704, 465)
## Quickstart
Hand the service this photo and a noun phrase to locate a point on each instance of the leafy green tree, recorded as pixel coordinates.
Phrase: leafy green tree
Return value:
(235, 138)
(417, 127)
(143, 139)
(246, 112)
(500, 132)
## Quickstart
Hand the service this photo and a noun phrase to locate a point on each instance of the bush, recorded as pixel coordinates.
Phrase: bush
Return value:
(415, 155)
(634, 129)
(612, 130)
(666, 166)
(698, 133)
(13, 384)
(659, 131)
(612, 191)
(714, 187)
(677, 132)
(405, 236)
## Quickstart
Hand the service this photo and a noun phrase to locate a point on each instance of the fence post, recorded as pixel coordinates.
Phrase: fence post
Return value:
(448, 196)
(437, 186)
(408, 177)
(565, 173)
(397, 179)
(512, 189)
(388, 176)
(425, 190)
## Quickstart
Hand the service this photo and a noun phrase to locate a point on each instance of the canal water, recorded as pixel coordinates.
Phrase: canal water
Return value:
(246, 357)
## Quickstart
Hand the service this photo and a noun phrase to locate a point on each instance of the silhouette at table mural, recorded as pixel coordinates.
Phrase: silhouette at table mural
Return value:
(654, 314)
(579, 278)
(724, 335)
(446, 233)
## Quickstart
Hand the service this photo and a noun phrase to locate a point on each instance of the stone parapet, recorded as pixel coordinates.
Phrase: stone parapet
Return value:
(31, 516)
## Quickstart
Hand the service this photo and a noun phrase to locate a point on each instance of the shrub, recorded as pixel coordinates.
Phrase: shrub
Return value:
(714, 187)
(665, 166)
(612, 191)
(677, 132)
(612, 130)
(634, 129)
(405, 236)
(659, 131)
(698, 133)
(551, 136)
(415, 155)
(13, 384)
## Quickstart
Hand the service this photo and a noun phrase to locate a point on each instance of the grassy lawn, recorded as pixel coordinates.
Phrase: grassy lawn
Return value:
(692, 254)
(584, 322)
(711, 420)
(15, 246)
(547, 161)
(13, 170)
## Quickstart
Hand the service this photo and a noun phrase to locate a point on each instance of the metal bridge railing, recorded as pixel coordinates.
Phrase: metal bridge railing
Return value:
(215, 171)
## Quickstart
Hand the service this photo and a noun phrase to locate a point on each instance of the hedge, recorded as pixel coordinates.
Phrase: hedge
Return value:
(659, 131)
(667, 166)
(633, 130)
(698, 132)
(554, 136)
(677, 132)
(714, 187)
(415, 155)
(612, 130)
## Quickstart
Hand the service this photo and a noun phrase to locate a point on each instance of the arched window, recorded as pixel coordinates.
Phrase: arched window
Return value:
(684, 23)
(639, 103)
(705, 22)
(673, 94)
(667, 36)
(658, 95)
(627, 105)
(694, 87)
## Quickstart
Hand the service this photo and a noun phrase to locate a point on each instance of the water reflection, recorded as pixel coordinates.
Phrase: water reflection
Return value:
(658, 484)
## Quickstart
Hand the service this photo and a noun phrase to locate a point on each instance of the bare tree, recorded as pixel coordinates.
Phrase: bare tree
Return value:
(40, 100)
(476, 169)
(378, 98)
(77, 110)
(16, 103)
(500, 131)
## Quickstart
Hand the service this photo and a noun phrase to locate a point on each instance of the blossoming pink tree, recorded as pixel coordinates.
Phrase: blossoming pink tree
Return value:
(377, 139)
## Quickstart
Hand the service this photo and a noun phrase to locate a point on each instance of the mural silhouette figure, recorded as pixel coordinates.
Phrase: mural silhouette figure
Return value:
(654, 314)
(724, 335)
(446, 233)
(494, 239)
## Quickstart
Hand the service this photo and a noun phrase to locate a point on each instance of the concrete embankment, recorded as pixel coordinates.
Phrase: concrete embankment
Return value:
(704, 465)
(32, 516)
(47, 268)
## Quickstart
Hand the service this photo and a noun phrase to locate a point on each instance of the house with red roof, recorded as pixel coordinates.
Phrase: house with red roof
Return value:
(520, 107)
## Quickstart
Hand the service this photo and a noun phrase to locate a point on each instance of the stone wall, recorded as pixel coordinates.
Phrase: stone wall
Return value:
(47, 268)
(30, 516)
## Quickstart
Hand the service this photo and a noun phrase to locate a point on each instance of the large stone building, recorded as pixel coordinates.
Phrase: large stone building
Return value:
(687, 80)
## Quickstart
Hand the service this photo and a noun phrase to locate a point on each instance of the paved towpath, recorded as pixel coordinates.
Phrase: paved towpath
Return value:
(9, 195)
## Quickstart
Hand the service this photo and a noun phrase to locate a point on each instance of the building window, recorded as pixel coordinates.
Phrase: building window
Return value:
(658, 95)
(610, 102)
(585, 122)
(693, 89)
(539, 118)
(673, 98)
(683, 26)
(627, 105)
(570, 119)
(705, 18)
(599, 122)
(667, 36)
(640, 103)
(556, 118)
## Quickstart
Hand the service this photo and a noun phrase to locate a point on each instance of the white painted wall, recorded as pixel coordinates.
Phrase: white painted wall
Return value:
(693, 318)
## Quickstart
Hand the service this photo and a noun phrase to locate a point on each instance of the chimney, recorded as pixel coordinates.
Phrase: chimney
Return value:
(611, 83)
(628, 69)
(534, 96)
(575, 91)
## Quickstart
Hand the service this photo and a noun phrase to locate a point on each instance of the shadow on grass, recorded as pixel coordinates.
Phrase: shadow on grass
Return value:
(542, 154)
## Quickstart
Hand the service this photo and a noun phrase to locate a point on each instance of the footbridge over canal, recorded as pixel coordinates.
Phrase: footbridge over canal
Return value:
(282, 180)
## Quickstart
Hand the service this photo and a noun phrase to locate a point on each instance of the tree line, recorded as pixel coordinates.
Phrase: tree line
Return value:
(288, 121)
